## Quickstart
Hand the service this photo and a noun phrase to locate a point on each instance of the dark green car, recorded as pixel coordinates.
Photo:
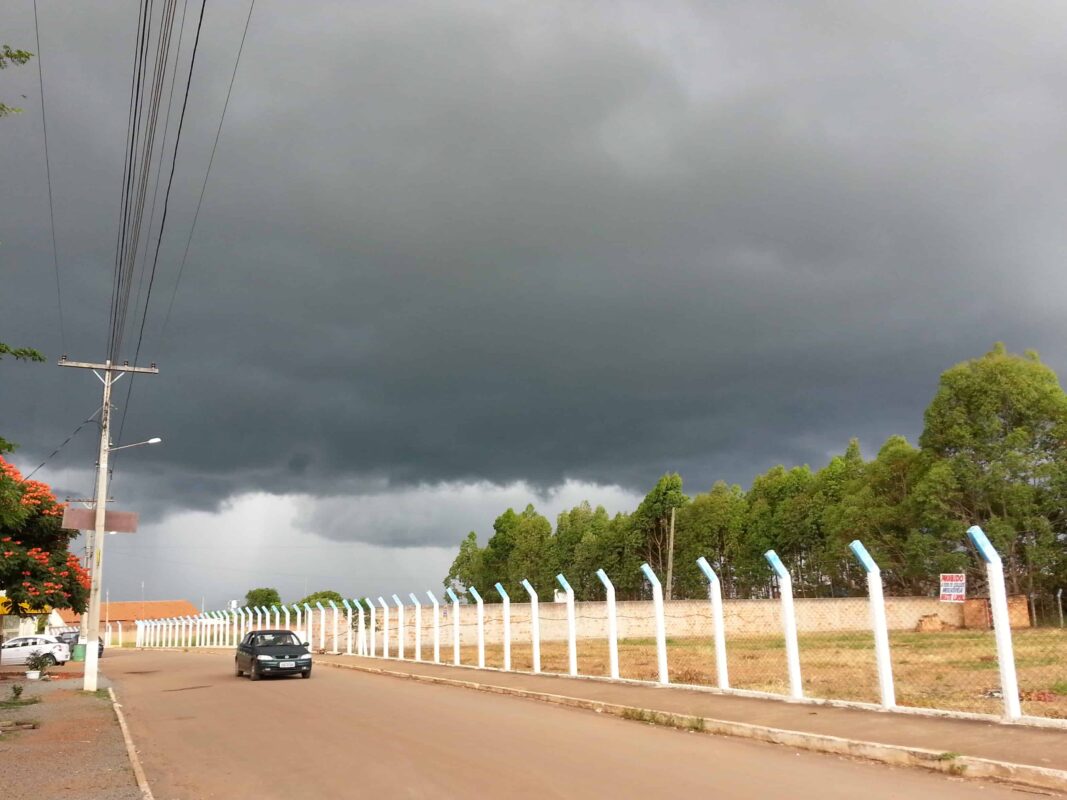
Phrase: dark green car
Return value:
(265, 653)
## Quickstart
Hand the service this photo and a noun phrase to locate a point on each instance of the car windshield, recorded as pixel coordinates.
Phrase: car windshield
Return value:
(275, 640)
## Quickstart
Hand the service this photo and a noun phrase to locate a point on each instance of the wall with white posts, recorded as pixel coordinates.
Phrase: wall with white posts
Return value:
(400, 631)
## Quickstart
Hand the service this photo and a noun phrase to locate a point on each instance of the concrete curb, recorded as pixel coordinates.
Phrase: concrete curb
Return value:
(897, 755)
(131, 751)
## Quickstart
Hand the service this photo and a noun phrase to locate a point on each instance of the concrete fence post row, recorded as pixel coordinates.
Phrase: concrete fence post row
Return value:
(226, 628)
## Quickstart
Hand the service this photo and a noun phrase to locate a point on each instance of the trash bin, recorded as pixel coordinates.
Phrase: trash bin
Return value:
(77, 652)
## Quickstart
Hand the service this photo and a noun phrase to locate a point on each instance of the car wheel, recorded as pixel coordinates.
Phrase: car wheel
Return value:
(237, 671)
(253, 673)
(51, 659)
(305, 674)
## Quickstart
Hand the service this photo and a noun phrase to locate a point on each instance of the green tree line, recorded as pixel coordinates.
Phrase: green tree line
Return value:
(993, 452)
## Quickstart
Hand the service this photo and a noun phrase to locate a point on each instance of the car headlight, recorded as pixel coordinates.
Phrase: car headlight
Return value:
(305, 657)
(265, 658)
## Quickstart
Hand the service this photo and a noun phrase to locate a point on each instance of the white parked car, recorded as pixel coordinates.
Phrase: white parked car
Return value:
(16, 651)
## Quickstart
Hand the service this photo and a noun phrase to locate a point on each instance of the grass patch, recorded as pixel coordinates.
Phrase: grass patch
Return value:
(29, 701)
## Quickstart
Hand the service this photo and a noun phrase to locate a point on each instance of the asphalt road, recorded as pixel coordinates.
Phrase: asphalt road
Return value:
(202, 733)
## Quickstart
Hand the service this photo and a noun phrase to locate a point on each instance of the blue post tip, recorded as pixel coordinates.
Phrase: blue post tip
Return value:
(563, 582)
(861, 554)
(705, 567)
(776, 564)
(981, 542)
(647, 570)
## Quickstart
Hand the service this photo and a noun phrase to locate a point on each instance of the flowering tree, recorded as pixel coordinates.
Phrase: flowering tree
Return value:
(36, 567)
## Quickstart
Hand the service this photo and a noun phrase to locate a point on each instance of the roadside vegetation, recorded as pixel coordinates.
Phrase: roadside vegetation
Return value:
(993, 452)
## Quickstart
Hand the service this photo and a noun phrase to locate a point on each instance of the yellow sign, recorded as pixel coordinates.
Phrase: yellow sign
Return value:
(24, 608)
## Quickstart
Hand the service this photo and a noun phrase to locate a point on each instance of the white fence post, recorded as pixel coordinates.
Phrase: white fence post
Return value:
(507, 626)
(137, 633)
(299, 621)
(322, 625)
(418, 625)
(661, 626)
(285, 611)
(789, 623)
(613, 625)
(481, 626)
(277, 616)
(120, 632)
(385, 626)
(348, 626)
(535, 626)
(436, 628)
(878, 623)
(572, 636)
(336, 634)
(998, 606)
(309, 623)
(361, 631)
(455, 625)
(399, 627)
(373, 629)
(715, 597)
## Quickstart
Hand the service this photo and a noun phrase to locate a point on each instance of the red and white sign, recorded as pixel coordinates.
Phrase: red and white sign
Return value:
(953, 587)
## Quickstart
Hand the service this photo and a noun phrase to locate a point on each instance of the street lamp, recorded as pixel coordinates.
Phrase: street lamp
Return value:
(153, 440)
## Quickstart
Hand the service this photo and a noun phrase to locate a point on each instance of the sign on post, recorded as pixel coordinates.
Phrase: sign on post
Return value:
(953, 587)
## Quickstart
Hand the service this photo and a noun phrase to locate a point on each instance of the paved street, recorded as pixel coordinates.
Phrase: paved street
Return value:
(202, 733)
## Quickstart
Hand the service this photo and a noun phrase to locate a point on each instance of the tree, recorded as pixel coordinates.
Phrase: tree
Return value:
(576, 545)
(36, 567)
(711, 526)
(468, 567)
(323, 597)
(652, 520)
(19, 353)
(9, 56)
(999, 425)
(262, 597)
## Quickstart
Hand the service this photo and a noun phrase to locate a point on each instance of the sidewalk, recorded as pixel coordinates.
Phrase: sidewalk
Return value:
(947, 739)
(77, 750)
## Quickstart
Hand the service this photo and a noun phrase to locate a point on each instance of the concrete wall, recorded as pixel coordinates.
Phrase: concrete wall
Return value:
(683, 618)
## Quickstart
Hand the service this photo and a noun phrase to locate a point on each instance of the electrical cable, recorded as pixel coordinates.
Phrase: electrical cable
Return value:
(65, 442)
(48, 172)
(166, 206)
(203, 187)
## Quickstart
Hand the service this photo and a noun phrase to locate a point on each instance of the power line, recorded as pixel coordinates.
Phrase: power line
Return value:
(211, 160)
(132, 125)
(48, 172)
(166, 205)
(162, 151)
(65, 442)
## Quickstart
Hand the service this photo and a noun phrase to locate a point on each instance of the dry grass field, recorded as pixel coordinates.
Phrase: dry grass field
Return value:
(955, 670)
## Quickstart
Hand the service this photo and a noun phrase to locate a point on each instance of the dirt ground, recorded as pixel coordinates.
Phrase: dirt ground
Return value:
(955, 670)
(77, 750)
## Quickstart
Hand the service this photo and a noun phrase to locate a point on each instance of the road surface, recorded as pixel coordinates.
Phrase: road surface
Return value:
(203, 733)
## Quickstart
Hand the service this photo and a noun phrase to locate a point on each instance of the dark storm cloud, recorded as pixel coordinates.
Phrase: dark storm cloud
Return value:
(473, 242)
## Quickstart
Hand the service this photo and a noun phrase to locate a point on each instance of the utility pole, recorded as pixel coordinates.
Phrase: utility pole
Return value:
(108, 375)
(670, 559)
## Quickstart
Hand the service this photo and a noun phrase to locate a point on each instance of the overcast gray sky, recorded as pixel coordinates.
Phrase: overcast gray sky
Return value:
(457, 256)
